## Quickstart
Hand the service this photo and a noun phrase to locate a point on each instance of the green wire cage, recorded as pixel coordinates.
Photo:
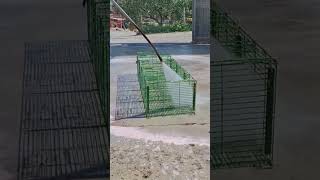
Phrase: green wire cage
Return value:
(242, 98)
(166, 88)
(99, 47)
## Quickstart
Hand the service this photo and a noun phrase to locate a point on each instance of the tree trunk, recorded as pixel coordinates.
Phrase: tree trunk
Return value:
(161, 21)
(184, 15)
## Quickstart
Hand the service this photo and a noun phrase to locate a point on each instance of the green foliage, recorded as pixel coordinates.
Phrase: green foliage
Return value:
(178, 27)
(160, 11)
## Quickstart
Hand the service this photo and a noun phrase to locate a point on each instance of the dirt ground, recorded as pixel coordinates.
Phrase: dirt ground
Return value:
(138, 159)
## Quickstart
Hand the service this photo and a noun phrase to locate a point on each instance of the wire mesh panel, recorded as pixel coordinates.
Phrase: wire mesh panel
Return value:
(231, 36)
(63, 131)
(129, 103)
(201, 16)
(61, 77)
(242, 113)
(63, 136)
(49, 52)
(166, 88)
(58, 66)
(242, 98)
(99, 37)
(64, 154)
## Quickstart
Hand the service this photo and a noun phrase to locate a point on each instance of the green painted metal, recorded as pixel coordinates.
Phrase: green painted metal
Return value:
(243, 95)
(99, 39)
(162, 95)
(242, 114)
(233, 37)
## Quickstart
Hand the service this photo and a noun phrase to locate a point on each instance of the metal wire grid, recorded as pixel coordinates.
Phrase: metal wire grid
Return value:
(64, 154)
(242, 114)
(66, 51)
(129, 103)
(99, 37)
(72, 149)
(162, 97)
(61, 110)
(242, 98)
(60, 77)
(233, 37)
(63, 131)
(201, 11)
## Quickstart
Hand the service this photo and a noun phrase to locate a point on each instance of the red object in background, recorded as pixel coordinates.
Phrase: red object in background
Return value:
(117, 22)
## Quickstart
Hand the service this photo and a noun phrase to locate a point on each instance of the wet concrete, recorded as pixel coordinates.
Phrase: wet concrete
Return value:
(194, 58)
(290, 31)
(172, 134)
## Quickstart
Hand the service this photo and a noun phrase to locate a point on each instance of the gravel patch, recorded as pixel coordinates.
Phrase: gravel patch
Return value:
(137, 159)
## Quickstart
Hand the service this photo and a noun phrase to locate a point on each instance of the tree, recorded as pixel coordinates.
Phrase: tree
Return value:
(157, 10)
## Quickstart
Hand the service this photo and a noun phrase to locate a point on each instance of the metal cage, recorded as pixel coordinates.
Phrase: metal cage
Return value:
(242, 98)
(99, 45)
(166, 88)
(64, 128)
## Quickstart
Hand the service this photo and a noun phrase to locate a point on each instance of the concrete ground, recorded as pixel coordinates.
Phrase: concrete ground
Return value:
(22, 21)
(194, 58)
(289, 31)
(160, 147)
(131, 37)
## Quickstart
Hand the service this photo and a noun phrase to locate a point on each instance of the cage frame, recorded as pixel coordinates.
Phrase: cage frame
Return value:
(152, 82)
(246, 52)
(64, 128)
(98, 25)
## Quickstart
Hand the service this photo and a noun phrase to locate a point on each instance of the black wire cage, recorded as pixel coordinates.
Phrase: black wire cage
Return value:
(242, 98)
(64, 129)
